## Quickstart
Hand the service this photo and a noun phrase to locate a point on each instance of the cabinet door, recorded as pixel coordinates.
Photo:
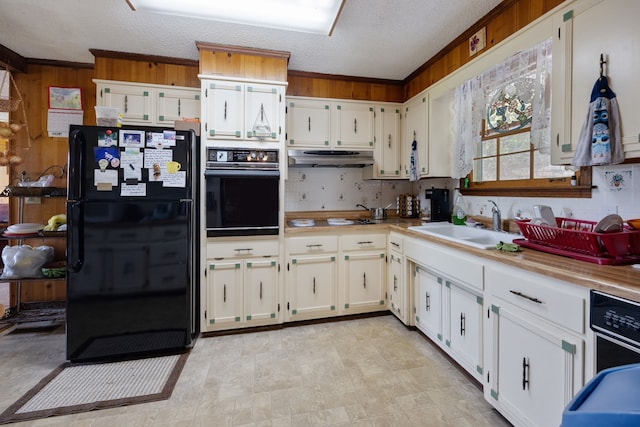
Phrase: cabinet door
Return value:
(308, 124)
(262, 104)
(415, 129)
(440, 134)
(387, 140)
(537, 368)
(224, 293)
(353, 125)
(312, 286)
(465, 323)
(261, 289)
(396, 286)
(224, 115)
(363, 281)
(428, 302)
(135, 103)
(176, 104)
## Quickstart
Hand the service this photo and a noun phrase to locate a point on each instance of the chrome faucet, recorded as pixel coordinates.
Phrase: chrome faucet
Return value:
(497, 217)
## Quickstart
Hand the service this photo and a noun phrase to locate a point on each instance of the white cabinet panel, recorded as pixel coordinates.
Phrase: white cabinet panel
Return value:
(308, 123)
(353, 125)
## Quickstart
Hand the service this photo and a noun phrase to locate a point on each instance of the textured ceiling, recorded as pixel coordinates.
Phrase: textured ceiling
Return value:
(387, 39)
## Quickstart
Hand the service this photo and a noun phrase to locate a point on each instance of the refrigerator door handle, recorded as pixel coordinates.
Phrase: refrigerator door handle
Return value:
(75, 249)
(77, 143)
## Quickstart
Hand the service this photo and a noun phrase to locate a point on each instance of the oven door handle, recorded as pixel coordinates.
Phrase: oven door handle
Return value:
(241, 173)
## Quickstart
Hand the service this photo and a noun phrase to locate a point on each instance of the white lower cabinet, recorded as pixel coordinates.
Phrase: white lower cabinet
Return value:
(311, 289)
(242, 285)
(398, 293)
(535, 345)
(428, 303)
(362, 271)
(464, 336)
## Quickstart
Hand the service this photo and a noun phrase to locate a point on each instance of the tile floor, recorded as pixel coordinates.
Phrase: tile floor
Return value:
(364, 372)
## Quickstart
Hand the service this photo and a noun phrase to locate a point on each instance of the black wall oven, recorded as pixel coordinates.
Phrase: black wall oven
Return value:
(242, 192)
(616, 322)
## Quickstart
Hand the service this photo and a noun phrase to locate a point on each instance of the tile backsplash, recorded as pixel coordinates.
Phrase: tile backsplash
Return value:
(617, 190)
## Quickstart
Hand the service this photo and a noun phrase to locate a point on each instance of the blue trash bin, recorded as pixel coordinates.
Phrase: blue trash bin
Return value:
(611, 399)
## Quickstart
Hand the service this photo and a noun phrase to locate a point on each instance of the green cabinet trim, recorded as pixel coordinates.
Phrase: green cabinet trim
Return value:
(447, 343)
(479, 369)
(494, 394)
(291, 142)
(237, 265)
(145, 93)
(346, 257)
(568, 347)
(145, 117)
(326, 143)
(212, 321)
(107, 90)
(566, 148)
(294, 261)
(161, 94)
(249, 317)
(382, 110)
(447, 284)
(212, 267)
(238, 88)
(273, 315)
(212, 132)
(381, 255)
(568, 15)
(339, 107)
(326, 107)
(418, 319)
(273, 263)
(160, 118)
(249, 264)
(495, 309)
(212, 85)
(382, 303)
(382, 171)
(440, 280)
(333, 258)
(333, 307)
(237, 319)
(479, 300)
(294, 311)
(440, 337)
(371, 109)
(237, 134)
(197, 97)
(346, 306)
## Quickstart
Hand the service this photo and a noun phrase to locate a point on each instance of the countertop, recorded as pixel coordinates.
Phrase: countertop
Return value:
(620, 280)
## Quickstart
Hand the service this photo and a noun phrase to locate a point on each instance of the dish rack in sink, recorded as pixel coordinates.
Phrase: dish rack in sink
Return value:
(576, 239)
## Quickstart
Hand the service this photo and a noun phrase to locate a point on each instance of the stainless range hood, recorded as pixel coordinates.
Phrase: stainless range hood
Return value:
(330, 158)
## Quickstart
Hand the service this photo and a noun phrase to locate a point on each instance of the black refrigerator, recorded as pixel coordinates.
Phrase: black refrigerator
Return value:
(132, 242)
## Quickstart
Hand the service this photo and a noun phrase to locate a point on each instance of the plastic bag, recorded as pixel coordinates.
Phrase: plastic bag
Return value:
(24, 261)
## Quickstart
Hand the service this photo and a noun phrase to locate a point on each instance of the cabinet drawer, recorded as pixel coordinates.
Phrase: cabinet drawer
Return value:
(241, 249)
(396, 242)
(358, 242)
(555, 301)
(312, 244)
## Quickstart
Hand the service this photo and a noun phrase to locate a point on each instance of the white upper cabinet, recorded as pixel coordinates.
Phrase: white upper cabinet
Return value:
(146, 104)
(242, 111)
(415, 129)
(329, 124)
(176, 104)
(576, 67)
(308, 123)
(353, 125)
(387, 141)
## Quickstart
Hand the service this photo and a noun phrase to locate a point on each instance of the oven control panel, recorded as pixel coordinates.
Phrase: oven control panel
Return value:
(224, 157)
(615, 316)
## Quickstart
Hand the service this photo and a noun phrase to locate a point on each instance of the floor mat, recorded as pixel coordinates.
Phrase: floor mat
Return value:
(73, 388)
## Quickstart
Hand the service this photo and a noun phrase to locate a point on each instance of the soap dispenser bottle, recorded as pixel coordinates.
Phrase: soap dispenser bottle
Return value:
(459, 215)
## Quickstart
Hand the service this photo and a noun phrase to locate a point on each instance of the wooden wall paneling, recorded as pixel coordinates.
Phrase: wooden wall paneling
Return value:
(141, 71)
(317, 85)
(242, 62)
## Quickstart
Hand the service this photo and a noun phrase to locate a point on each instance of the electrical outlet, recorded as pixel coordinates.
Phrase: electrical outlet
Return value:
(32, 200)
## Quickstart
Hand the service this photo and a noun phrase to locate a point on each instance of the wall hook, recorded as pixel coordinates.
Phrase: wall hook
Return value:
(602, 62)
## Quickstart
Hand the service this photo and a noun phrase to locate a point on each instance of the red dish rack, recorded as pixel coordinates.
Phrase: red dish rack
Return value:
(576, 239)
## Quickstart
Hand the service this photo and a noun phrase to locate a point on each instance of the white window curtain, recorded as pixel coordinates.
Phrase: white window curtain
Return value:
(470, 100)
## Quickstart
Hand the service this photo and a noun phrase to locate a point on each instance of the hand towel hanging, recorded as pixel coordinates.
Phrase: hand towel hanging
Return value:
(414, 168)
(600, 141)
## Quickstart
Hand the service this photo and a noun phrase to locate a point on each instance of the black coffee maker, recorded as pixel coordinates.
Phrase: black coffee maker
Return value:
(440, 204)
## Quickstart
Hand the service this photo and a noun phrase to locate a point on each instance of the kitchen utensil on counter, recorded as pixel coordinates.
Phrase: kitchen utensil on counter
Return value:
(376, 213)
(546, 213)
(609, 224)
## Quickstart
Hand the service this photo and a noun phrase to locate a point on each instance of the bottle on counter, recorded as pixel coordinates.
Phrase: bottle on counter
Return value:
(459, 215)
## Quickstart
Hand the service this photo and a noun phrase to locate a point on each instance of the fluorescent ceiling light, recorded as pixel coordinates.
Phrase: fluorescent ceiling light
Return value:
(309, 16)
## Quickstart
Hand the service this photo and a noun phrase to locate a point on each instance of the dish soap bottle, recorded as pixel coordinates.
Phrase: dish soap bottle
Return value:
(459, 216)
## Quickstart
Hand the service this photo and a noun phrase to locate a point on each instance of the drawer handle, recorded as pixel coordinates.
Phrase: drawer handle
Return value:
(318, 245)
(395, 283)
(368, 242)
(463, 324)
(364, 280)
(427, 304)
(520, 294)
(397, 245)
(314, 285)
(243, 250)
(224, 293)
(260, 290)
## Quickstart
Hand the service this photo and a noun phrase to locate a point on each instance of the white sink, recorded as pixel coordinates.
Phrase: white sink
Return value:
(480, 238)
